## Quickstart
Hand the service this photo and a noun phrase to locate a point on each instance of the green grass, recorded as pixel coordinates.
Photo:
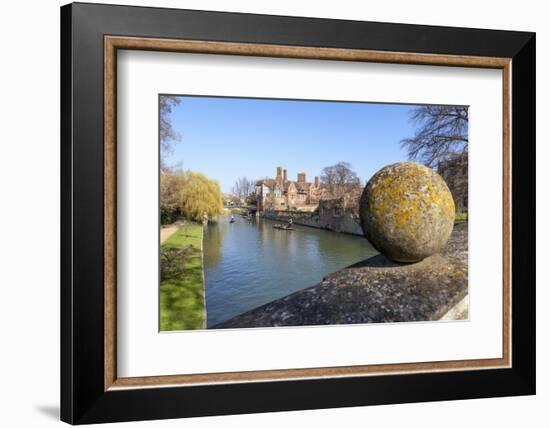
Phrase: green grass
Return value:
(181, 297)
(461, 217)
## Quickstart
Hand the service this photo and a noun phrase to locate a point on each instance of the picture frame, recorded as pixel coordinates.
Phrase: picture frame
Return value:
(91, 391)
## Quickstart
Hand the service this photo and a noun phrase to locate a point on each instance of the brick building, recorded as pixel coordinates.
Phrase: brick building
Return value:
(281, 194)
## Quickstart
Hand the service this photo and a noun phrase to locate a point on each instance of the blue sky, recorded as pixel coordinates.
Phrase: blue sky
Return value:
(227, 138)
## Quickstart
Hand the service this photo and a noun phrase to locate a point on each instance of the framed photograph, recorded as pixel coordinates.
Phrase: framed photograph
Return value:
(266, 213)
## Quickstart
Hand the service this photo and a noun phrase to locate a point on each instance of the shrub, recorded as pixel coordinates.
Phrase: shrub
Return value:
(172, 261)
(461, 216)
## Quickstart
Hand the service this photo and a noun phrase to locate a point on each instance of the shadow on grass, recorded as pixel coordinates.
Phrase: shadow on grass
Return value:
(181, 295)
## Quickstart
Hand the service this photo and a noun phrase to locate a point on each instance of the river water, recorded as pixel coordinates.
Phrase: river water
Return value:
(248, 264)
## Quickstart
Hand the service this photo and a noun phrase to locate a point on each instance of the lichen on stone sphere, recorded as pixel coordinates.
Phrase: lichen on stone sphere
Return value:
(407, 212)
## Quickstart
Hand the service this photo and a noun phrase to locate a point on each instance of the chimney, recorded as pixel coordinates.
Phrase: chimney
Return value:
(316, 181)
(301, 177)
(279, 176)
(284, 175)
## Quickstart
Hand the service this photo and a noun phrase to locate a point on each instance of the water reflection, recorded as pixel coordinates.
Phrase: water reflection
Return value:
(248, 264)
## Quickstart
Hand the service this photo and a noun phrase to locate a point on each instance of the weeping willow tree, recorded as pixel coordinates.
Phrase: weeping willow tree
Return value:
(188, 194)
(200, 196)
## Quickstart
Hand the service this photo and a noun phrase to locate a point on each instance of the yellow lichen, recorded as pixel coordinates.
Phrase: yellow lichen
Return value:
(404, 200)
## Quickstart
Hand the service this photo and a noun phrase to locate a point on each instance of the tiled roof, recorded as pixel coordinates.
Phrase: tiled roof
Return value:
(269, 182)
(302, 187)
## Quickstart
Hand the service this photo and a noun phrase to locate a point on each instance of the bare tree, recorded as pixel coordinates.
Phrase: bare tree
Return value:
(243, 188)
(441, 142)
(168, 135)
(340, 179)
(442, 134)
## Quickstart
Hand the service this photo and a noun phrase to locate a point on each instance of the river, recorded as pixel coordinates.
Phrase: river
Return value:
(248, 264)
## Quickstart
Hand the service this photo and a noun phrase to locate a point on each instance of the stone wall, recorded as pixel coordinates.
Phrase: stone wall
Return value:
(345, 223)
(340, 215)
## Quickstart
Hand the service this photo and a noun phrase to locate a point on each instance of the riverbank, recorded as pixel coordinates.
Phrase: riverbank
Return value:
(182, 289)
(341, 224)
(374, 290)
(167, 230)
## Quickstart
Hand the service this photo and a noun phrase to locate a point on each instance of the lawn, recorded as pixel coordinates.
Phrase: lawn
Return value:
(182, 293)
(461, 217)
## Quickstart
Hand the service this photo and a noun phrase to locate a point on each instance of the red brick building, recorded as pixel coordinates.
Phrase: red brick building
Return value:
(281, 194)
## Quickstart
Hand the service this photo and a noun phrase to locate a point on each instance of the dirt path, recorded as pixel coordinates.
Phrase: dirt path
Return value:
(167, 231)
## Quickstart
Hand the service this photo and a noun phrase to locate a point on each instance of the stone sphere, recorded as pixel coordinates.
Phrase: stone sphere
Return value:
(407, 212)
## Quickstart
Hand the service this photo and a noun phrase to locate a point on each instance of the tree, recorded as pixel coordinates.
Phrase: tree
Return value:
(188, 194)
(168, 135)
(200, 196)
(243, 188)
(251, 199)
(441, 142)
(442, 134)
(340, 179)
(171, 184)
